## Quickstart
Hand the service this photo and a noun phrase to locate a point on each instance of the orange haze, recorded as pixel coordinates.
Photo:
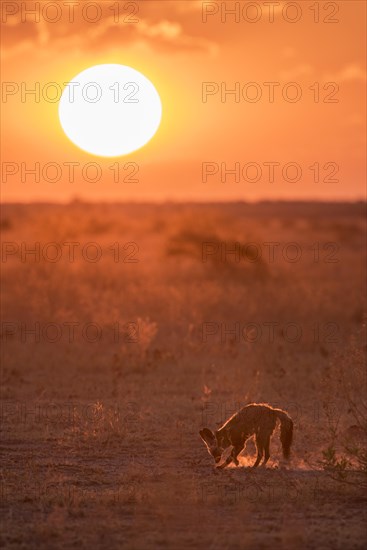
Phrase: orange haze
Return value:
(271, 52)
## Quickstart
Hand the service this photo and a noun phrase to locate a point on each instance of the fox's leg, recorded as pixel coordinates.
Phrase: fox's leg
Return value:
(267, 450)
(260, 450)
(227, 461)
(232, 457)
(235, 452)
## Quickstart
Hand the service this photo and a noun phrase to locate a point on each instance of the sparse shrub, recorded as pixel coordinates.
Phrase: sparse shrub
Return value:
(347, 450)
(5, 224)
(226, 257)
(147, 331)
(333, 464)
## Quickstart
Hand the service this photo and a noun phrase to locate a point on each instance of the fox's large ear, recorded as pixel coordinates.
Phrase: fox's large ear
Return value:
(207, 436)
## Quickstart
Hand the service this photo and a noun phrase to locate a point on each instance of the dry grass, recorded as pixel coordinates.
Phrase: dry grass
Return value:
(100, 440)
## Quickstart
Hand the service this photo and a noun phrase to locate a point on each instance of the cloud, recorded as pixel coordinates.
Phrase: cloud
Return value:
(298, 71)
(171, 26)
(164, 33)
(350, 72)
(173, 35)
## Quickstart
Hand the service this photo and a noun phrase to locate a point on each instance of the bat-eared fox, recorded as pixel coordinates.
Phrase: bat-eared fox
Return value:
(254, 419)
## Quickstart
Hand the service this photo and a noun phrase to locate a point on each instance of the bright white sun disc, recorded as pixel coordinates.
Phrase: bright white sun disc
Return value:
(110, 110)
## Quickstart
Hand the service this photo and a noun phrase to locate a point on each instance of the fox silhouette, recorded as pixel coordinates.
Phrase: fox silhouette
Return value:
(255, 419)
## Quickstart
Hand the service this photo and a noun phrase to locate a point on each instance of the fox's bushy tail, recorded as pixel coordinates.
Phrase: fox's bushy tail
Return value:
(286, 431)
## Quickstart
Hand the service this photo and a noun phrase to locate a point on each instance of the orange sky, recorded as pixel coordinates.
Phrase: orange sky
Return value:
(169, 42)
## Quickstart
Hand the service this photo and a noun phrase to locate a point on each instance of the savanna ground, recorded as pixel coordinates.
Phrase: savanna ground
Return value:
(111, 367)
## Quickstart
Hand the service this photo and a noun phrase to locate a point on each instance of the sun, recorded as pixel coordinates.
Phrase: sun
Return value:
(110, 110)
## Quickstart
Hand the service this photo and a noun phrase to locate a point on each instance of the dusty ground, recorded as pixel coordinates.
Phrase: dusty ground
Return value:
(100, 438)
